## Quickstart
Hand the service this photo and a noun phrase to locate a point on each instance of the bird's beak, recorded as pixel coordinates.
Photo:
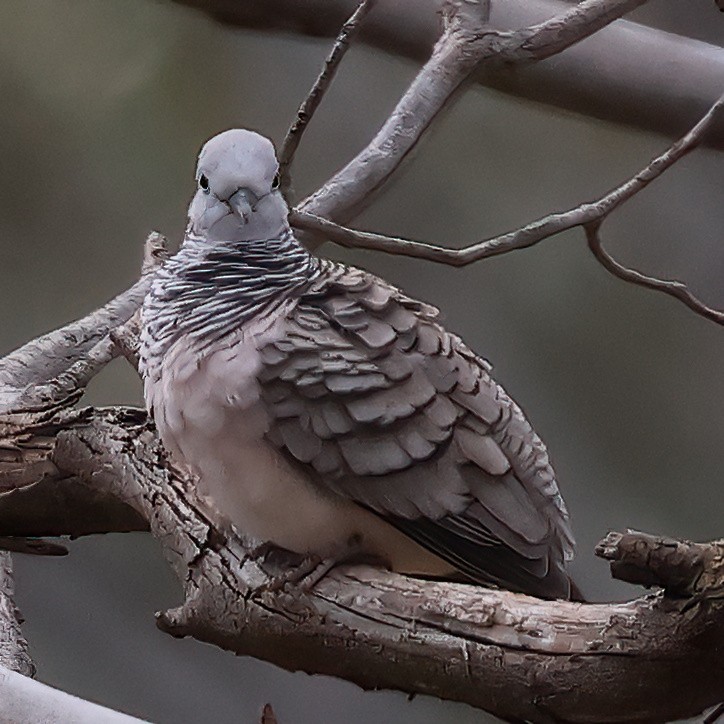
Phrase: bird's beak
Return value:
(242, 203)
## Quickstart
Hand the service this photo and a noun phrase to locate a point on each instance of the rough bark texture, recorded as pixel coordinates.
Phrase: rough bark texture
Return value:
(652, 659)
(70, 471)
(627, 73)
(13, 646)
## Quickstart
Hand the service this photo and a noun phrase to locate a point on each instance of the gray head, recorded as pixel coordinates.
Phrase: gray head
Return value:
(238, 196)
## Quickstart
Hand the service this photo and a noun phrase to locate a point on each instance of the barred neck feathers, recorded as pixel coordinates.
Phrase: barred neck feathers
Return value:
(209, 290)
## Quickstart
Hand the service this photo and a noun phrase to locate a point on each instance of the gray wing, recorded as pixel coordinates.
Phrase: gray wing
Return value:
(381, 405)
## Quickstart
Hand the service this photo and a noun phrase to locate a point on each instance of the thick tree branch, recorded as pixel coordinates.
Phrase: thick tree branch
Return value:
(637, 661)
(467, 42)
(626, 73)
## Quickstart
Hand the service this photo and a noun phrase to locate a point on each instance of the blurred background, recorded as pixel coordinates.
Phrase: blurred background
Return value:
(104, 107)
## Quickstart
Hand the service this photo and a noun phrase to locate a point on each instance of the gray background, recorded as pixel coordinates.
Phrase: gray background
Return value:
(103, 106)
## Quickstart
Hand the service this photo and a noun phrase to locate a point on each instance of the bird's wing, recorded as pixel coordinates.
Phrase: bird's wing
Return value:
(380, 404)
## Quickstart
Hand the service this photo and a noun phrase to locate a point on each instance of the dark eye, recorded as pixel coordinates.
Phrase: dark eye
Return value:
(276, 182)
(204, 183)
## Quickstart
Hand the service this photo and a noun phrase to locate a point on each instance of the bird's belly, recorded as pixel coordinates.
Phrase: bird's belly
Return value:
(212, 421)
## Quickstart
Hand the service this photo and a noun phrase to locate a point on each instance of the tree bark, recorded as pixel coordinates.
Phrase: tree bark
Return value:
(627, 73)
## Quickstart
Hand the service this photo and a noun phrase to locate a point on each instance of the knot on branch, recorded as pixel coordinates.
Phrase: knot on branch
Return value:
(466, 19)
(680, 567)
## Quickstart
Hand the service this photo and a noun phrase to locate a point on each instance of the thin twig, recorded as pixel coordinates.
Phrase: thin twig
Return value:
(528, 235)
(314, 98)
(674, 288)
(588, 215)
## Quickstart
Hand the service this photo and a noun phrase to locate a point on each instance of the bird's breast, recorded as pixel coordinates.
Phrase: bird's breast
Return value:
(211, 419)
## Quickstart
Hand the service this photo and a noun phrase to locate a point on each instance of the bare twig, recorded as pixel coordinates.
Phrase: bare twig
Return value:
(316, 94)
(673, 288)
(589, 215)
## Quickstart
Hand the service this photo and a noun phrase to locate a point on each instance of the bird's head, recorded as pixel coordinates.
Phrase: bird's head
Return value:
(237, 196)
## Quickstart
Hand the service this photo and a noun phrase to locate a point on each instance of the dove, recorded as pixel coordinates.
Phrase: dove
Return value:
(322, 410)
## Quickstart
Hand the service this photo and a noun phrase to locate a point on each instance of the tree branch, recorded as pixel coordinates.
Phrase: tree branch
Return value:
(24, 700)
(467, 42)
(552, 660)
(67, 359)
(589, 215)
(14, 654)
(310, 104)
(626, 73)
(673, 288)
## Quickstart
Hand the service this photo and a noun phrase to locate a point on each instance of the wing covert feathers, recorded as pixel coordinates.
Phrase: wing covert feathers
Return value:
(380, 404)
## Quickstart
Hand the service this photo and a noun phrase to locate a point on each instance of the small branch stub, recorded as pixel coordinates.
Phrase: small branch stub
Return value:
(681, 568)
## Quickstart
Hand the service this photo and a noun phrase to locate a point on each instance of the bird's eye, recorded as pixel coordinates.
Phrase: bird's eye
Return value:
(204, 183)
(276, 182)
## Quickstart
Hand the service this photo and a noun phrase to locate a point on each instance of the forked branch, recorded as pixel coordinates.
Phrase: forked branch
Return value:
(309, 105)
(467, 42)
(589, 215)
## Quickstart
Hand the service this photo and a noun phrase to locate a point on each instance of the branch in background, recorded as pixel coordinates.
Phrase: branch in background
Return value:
(14, 654)
(553, 36)
(467, 42)
(673, 288)
(54, 358)
(589, 215)
(316, 94)
(627, 73)
(453, 58)
(26, 700)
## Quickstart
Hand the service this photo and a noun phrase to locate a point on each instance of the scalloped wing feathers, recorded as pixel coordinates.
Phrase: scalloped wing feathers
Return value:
(380, 404)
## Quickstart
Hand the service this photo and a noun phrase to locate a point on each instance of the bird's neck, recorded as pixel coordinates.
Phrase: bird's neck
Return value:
(210, 289)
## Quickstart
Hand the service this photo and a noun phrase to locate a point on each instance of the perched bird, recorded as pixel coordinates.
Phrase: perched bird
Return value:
(323, 410)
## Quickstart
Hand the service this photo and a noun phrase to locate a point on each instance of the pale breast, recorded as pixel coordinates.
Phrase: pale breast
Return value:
(210, 418)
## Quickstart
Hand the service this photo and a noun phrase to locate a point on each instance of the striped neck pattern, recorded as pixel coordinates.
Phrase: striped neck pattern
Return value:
(208, 290)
